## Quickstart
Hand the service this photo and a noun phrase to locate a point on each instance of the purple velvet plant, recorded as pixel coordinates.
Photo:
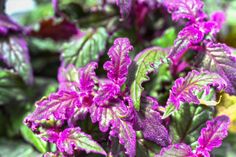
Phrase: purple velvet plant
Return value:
(116, 105)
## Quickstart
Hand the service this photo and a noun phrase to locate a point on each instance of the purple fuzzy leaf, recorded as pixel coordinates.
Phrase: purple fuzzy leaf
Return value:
(212, 135)
(187, 37)
(125, 7)
(114, 117)
(218, 58)
(152, 4)
(153, 129)
(185, 89)
(58, 105)
(73, 139)
(118, 66)
(8, 26)
(209, 27)
(176, 150)
(185, 9)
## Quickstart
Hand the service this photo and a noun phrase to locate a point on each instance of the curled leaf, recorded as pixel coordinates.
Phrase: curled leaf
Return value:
(185, 89)
(213, 134)
(176, 150)
(73, 139)
(187, 37)
(146, 62)
(58, 105)
(185, 9)
(218, 58)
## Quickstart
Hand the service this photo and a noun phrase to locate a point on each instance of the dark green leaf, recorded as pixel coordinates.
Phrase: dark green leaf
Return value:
(161, 84)
(187, 122)
(12, 87)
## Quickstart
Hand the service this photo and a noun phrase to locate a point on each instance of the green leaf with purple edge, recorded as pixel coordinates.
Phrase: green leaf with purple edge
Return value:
(14, 52)
(73, 139)
(114, 117)
(58, 106)
(186, 89)
(81, 50)
(145, 62)
(187, 122)
(219, 59)
(169, 110)
(176, 150)
(213, 134)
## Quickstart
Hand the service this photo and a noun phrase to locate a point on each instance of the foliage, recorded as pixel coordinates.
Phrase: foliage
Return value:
(118, 78)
